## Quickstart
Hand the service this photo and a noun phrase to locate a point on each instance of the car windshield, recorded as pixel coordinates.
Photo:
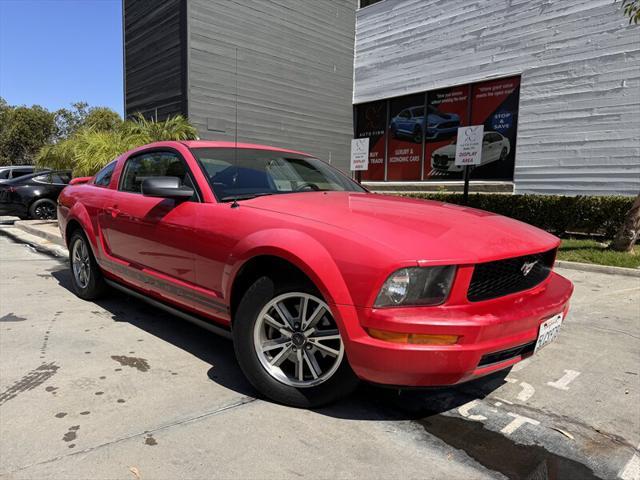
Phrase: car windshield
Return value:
(248, 173)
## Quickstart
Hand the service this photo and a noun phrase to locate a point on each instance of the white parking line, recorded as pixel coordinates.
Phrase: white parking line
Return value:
(631, 471)
(563, 382)
(517, 422)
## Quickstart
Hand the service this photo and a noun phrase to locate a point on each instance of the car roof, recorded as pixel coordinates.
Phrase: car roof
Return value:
(33, 175)
(11, 167)
(253, 146)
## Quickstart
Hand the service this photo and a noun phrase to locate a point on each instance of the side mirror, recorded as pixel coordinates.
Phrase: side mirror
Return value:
(166, 187)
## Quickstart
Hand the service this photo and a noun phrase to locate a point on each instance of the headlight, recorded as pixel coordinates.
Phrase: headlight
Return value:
(416, 286)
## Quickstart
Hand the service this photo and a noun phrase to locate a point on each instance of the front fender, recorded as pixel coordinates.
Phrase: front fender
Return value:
(78, 212)
(298, 248)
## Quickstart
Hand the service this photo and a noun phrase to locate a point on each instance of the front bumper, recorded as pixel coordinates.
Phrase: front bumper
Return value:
(484, 328)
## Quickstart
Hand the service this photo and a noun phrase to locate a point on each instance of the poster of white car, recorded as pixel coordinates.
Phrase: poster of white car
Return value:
(495, 147)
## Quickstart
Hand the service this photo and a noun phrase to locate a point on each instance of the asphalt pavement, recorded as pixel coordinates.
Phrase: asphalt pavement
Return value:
(118, 389)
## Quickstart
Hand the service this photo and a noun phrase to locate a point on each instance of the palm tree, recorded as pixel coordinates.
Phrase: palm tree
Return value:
(90, 149)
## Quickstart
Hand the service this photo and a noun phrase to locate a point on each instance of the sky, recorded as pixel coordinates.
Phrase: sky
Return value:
(56, 52)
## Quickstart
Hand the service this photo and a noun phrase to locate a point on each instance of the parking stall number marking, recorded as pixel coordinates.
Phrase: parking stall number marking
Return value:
(563, 382)
(631, 470)
(464, 411)
(517, 422)
(527, 390)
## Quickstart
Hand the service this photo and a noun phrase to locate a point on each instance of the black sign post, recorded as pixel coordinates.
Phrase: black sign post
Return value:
(465, 194)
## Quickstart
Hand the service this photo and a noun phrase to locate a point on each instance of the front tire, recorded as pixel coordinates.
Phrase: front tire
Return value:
(43, 209)
(86, 277)
(289, 346)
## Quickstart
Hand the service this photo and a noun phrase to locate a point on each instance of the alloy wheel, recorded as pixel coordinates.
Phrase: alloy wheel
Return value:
(81, 263)
(45, 211)
(297, 340)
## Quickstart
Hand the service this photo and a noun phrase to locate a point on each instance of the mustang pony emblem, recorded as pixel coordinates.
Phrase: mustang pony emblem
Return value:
(527, 267)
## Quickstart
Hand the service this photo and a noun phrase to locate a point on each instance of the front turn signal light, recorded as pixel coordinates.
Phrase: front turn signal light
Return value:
(413, 338)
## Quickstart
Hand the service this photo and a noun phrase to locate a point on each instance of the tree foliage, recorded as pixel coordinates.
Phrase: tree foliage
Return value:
(80, 115)
(631, 9)
(23, 131)
(93, 146)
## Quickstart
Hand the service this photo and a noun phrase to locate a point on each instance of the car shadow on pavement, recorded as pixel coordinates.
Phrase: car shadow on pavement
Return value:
(369, 402)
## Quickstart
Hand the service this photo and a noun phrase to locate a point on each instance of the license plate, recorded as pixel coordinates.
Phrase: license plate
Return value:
(549, 330)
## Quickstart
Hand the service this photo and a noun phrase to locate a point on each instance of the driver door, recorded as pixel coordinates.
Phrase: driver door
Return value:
(152, 233)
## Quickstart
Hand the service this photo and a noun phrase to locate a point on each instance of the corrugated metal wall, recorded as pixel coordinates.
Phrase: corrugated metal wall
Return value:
(155, 57)
(295, 73)
(579, 123)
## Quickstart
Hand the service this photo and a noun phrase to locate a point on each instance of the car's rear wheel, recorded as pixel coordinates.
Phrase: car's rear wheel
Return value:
(86, 277)
(43, 209)
(289, 345)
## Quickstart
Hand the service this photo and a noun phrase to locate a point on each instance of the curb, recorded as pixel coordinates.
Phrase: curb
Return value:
(37, 243)
(29, 226)
(595, 268)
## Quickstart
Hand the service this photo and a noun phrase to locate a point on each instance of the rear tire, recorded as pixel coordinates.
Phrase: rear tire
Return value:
(274, 370)
(86, 277)
(43, 209)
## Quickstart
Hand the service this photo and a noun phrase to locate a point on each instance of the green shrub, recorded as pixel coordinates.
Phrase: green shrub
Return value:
(554, 213)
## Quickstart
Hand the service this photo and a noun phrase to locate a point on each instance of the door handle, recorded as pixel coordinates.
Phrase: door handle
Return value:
(113, 211)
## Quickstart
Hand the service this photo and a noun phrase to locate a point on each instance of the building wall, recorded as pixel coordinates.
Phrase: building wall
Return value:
(579, 121)
(295, 73)
(155, 57)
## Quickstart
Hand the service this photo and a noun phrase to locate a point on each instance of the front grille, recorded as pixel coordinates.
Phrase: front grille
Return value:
(504, 355)
(440, 160)
(502, 277)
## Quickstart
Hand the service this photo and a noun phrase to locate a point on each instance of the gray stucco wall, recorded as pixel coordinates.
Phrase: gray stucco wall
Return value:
(295, 73)
(579, 122)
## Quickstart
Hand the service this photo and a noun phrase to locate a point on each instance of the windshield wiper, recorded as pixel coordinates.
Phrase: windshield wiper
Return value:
(244, 196)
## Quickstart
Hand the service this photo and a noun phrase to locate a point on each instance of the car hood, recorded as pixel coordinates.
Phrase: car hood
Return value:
(448, 150)
(421, 230)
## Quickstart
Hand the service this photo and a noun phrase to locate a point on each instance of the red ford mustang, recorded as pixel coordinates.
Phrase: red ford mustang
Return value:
(319, 282)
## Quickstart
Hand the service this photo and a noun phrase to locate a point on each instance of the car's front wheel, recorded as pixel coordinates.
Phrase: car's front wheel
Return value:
(86, 277)
(289, 346)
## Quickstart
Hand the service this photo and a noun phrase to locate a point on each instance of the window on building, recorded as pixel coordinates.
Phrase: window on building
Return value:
(366, 3)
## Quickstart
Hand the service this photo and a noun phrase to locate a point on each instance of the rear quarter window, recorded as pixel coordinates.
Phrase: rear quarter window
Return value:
(103, 177)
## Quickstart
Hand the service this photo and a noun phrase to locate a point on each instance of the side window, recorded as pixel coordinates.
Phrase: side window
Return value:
(46, 178)
(4, 174)
(155, 164)
(103, 177)
(60, 178)
(20, 172)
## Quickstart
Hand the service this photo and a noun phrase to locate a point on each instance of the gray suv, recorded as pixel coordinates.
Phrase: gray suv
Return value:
(10, 172)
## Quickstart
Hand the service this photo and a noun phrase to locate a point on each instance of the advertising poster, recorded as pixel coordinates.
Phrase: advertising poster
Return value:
(371, 120)
(406, 128)
(494, 104)
(447, 109)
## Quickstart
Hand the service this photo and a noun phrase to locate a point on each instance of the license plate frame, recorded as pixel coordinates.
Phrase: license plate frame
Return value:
(548, 331)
